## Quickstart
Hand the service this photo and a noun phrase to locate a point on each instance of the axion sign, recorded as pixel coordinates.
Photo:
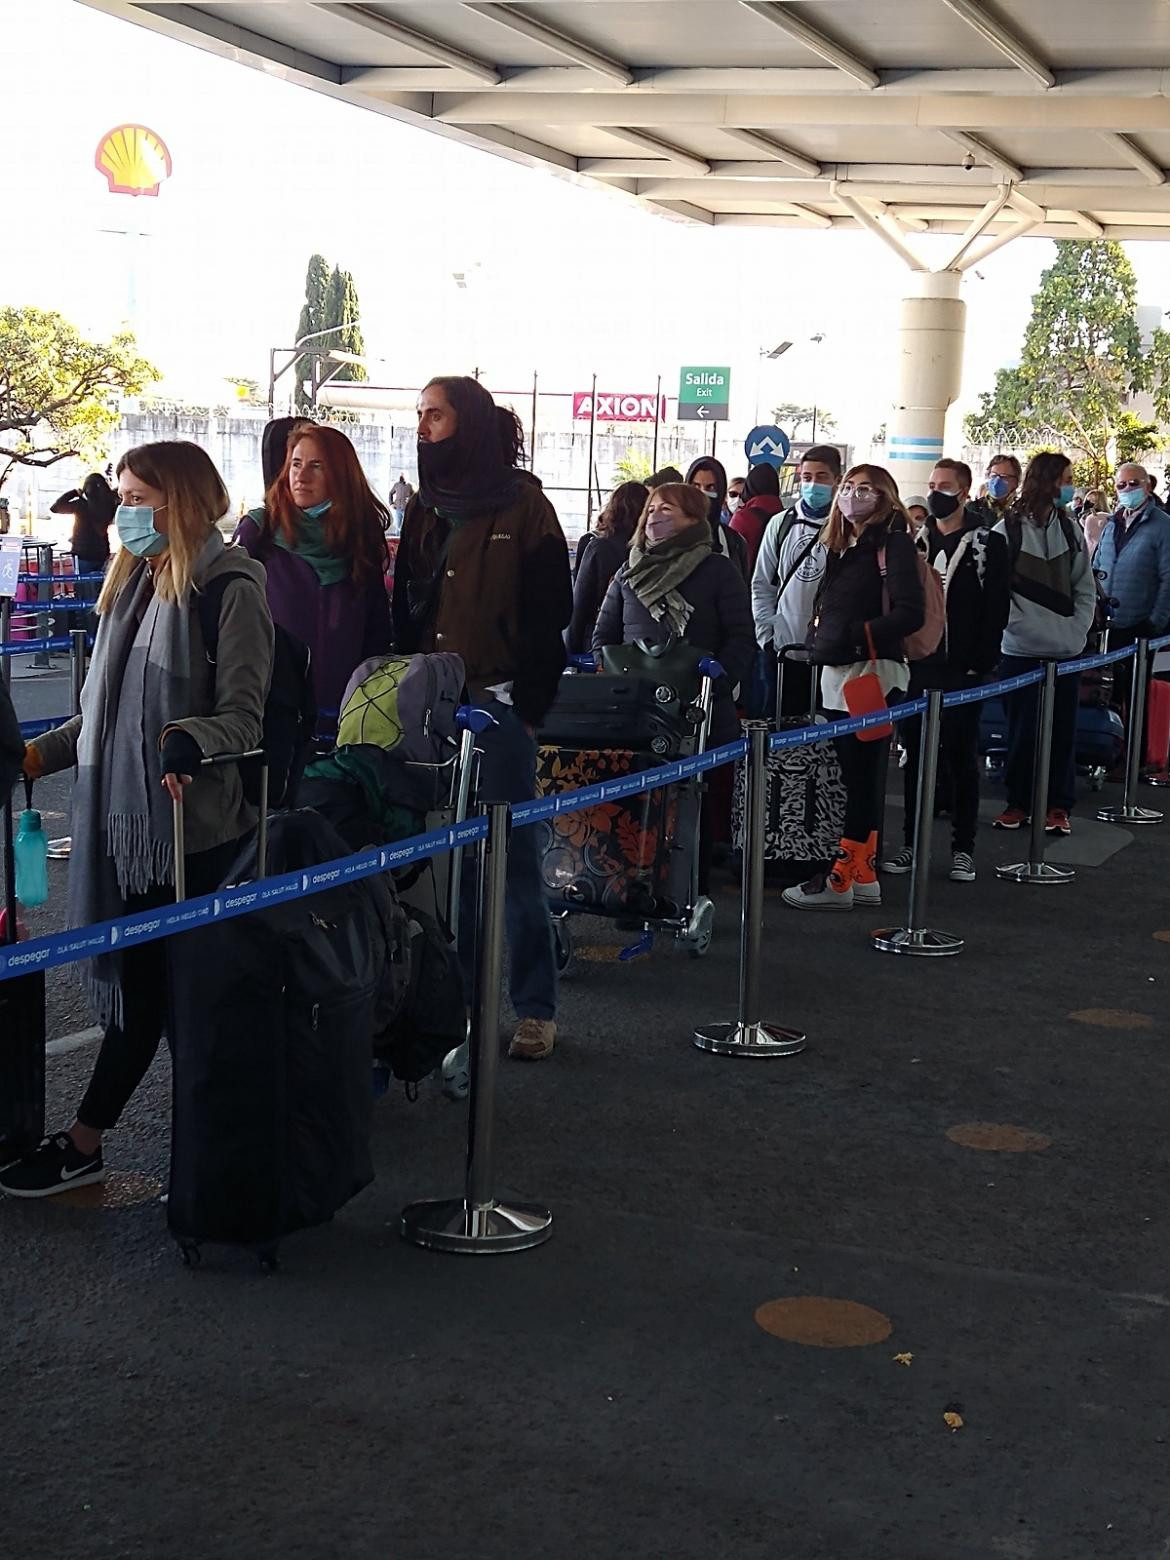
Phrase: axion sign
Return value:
(618, 406)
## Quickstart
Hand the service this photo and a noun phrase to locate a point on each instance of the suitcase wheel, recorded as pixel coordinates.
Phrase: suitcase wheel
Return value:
(562, 944)
(191, 1254)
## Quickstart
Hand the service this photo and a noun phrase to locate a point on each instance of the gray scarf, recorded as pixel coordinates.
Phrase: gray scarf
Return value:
(139, 681)
(655, 573)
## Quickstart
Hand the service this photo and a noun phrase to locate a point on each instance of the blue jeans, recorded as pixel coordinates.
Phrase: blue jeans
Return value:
(508, 774)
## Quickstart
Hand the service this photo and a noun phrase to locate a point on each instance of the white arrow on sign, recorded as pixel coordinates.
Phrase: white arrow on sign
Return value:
(766, 446)
(702, 411)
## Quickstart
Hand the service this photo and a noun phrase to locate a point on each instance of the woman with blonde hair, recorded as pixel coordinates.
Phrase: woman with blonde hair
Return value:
(871, 598)
(151, 710)
(321, 537)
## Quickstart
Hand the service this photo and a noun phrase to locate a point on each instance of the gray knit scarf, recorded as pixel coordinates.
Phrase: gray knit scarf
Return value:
(655, 573)
(138, 682)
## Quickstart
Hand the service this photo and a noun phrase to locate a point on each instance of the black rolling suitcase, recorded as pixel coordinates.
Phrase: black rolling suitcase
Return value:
(22, 1036)
(633, 713)
(271, 1022)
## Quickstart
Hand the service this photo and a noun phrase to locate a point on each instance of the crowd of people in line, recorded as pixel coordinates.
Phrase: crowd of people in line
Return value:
(842, 571)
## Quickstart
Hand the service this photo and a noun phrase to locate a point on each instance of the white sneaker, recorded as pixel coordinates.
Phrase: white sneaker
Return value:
(900, 864)
(962, 868)
(867, 893)
(819, 894)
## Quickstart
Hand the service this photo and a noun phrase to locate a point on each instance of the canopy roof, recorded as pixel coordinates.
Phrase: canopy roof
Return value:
(951, 116)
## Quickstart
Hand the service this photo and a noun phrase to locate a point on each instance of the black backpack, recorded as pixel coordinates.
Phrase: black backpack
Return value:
(432, 1019)
(290, 708)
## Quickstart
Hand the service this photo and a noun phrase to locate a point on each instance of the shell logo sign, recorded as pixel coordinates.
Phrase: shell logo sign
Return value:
(133, 159)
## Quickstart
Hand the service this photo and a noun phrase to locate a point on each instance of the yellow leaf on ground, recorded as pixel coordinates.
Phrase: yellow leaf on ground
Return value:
(903, 1359)
(954, 1421)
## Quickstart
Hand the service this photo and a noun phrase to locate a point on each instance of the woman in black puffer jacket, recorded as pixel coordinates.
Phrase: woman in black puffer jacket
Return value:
(870, 600)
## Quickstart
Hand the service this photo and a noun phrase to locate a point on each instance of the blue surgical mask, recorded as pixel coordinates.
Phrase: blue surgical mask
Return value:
(817, 496)
(1066, 495)
(998, 487)
(135, 524)
(1132, 498)
(315, 511)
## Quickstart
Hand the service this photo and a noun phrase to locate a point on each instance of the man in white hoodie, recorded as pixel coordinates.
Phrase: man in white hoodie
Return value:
(789, 570)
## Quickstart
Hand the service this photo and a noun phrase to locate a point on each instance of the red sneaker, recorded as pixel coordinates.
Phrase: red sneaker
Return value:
(1010, 818)
(1057, 821)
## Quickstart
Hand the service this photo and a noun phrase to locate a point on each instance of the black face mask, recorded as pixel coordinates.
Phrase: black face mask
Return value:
(941, 506)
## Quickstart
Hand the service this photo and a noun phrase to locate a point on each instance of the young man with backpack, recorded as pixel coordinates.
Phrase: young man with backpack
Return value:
(1054, 599)
(973, 564)
(789, 569)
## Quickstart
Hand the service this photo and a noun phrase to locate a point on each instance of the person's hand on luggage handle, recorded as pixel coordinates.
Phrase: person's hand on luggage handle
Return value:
(181, 758)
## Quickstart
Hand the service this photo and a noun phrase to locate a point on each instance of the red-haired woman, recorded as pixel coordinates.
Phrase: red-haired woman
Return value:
(321, 537)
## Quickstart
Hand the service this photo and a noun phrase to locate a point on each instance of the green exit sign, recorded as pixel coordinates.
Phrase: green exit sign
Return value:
(703, 393)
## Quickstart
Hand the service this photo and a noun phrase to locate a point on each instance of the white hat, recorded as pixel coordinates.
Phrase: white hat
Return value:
(916, 500)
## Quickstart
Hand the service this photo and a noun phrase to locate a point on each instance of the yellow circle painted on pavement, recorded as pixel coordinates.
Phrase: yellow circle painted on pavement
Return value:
(1112, 1018)
(997, 1138)
(120, 1189)
(823, 1323)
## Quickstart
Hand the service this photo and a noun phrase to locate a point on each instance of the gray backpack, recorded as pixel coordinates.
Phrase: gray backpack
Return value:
(405, 705)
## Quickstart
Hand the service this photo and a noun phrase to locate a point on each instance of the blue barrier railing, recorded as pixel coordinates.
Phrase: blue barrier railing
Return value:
(32, 646)
(59, 579)
(60, 948)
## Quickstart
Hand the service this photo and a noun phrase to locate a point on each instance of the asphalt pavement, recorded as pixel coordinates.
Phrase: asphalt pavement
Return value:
(972, 1149)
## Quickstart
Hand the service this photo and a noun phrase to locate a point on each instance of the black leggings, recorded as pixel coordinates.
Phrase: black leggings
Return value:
(129, 1048)
(863, 769)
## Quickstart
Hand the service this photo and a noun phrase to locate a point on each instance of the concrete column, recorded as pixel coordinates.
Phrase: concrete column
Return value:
(930, 369)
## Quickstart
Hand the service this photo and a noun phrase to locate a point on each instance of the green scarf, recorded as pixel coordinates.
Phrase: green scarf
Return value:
(655, 573)
(311, 546)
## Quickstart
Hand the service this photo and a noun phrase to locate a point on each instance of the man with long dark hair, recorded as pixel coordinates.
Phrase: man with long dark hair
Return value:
(483, 571)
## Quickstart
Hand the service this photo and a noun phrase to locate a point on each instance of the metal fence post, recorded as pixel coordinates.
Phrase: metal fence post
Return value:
(478, 1221)
(61, 848)
(750, 1035)
(44, 593)
(1129, 811)
(1036, 869)
(5, 636)
(916, 937)
(589, 470)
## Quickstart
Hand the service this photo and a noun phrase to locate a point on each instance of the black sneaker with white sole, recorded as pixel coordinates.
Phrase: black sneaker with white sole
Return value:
(57, 1166)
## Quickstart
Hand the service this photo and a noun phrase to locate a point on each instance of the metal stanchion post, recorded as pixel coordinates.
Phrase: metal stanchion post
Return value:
(478, 1221)
(1129, 811)
(1036, 869)
(917, 938)
(44, 593)
(750, 1035)
(5, 636)
(59, 849)
(472, 722)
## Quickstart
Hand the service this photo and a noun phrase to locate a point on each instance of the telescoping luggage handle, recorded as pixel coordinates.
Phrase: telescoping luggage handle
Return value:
(215, 762)
(802, 654)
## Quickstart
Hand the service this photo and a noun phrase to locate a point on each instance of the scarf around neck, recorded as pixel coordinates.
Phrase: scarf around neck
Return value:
(310, 544)
(138, 682)
(655, 573)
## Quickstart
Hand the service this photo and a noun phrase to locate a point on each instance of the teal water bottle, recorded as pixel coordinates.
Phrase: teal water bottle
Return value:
(30, 852)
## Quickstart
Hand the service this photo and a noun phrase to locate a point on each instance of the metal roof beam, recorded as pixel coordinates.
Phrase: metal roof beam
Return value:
(785, 18)
(1088, 225)
(984, 152)
(813, 218)
(686, 161)
(1134, 154)
(777, 150)
(1001, 37)
(888, 234)
(572, 49)
(978, 226)
(980, 253)
(424, 44)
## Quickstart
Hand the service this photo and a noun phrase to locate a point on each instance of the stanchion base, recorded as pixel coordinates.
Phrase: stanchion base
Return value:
(1137, 815)
(1035, 872)
(750, 1040)
(453, 1224)
(58, 850)
(926, 944)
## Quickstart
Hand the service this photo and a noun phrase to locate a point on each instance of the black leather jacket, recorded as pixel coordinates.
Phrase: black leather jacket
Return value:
(851, 596)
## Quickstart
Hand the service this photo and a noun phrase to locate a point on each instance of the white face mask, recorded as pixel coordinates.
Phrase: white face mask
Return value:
(734, 500)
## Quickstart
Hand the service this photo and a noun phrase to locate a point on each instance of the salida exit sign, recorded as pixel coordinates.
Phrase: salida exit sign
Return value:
(703, 394)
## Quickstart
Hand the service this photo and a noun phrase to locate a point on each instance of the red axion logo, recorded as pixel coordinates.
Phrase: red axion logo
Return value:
(618, 406)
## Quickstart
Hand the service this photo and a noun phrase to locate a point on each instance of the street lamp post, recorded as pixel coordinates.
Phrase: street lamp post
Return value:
(295, 352)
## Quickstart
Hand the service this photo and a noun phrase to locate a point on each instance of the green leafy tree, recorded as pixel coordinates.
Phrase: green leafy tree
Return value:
(313, 317)
(792, 417)
(342, 312)
(633, 467)
(59, 392)
(1134, 438)
(1081, 362)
